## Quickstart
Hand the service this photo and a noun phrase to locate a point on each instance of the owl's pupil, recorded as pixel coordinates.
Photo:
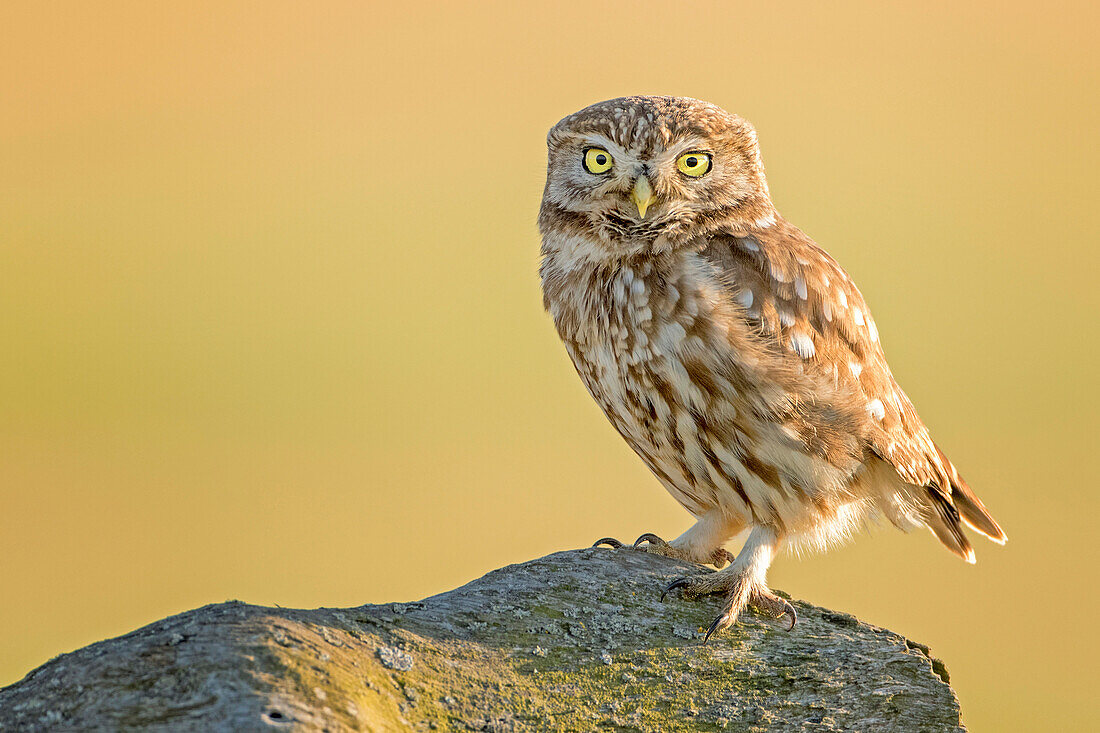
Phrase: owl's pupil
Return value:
(692, 162)
(601, 159)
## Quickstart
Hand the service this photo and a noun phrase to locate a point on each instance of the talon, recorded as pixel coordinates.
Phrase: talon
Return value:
(716, 626)
(788, 610)
(650, 538)
(678, 583)
(610, 542)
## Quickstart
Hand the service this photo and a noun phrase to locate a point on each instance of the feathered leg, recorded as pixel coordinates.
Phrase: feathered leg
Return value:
(742, 582)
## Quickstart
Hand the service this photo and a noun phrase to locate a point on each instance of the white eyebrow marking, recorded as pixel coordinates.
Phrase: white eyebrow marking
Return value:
(595, 139)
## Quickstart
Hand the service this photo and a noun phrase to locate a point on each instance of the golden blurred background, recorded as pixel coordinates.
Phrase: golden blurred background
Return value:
(272, 328)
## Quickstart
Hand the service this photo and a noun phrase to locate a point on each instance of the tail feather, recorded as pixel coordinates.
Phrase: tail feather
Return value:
(975, 514)
(970, 507)
(943, 519)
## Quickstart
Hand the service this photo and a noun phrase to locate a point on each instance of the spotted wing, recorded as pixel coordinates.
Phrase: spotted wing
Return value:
(800, 299)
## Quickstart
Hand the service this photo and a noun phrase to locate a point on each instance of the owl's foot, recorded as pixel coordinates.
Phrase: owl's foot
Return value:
(650, 542)
(740, 588)
(742, 583)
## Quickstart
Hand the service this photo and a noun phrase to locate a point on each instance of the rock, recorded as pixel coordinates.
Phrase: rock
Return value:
(576, 641)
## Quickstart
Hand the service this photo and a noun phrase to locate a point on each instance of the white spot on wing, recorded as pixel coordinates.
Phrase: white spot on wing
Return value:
(800, 288)
(855, 368)
(765, 221)
(786, 319)
(857, 316)
(876, 408)
(745, 298)
(803, 345)
(749, 243)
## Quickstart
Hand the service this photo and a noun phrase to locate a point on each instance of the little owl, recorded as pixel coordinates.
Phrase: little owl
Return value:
(732, 353)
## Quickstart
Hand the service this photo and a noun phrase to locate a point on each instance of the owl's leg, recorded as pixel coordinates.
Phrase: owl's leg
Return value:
(742, 582)
(700, 544)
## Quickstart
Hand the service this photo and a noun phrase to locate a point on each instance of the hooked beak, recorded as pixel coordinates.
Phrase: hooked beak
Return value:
(642, 195)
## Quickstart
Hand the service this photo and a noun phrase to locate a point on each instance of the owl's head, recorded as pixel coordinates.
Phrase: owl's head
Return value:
(653, 171)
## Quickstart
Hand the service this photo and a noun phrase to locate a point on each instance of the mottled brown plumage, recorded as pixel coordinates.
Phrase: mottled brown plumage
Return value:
(733, 354)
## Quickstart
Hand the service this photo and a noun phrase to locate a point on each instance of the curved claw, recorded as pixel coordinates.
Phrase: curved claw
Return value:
(788, 610)
(650, 538)
(717, 625)
(678, 583)
(610, 542)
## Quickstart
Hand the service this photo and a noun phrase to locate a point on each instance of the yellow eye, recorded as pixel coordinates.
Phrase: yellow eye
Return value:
(597, 160)
(694, 164)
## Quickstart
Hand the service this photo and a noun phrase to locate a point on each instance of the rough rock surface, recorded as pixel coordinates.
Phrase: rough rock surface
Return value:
(576, 641)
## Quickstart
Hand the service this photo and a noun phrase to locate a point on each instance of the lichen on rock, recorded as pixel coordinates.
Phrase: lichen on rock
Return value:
(575, 641)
